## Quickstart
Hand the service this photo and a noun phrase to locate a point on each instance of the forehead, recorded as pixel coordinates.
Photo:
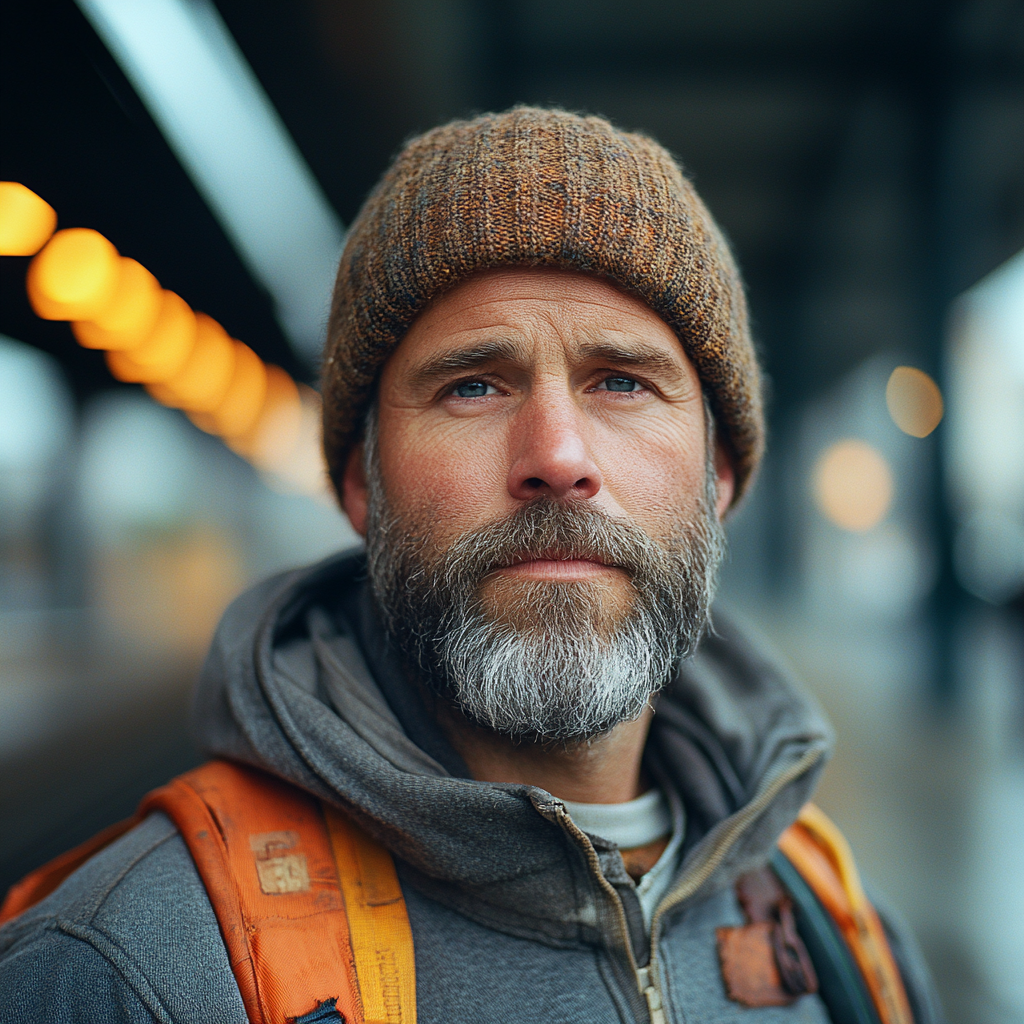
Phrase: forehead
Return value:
(531, 307)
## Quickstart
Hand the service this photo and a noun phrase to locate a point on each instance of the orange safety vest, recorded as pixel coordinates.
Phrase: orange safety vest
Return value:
(311, 910)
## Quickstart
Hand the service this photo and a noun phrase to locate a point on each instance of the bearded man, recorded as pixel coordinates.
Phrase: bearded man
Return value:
(498, 766)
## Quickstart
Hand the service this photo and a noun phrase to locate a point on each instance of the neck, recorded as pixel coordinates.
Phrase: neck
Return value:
(605, 770)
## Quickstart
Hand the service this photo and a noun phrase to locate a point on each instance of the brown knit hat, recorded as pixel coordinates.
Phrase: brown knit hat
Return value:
(539, 188)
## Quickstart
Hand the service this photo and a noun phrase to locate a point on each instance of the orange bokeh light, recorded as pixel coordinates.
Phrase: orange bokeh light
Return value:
(204, 377)
(914, 401)
(131, 314)
(243, 401)
(853, 485)
(273, 437)
(152, 337)
(74, 277)
(26, 220)
(164, 352)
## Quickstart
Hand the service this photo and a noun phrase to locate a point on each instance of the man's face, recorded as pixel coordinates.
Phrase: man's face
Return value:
(552, 403)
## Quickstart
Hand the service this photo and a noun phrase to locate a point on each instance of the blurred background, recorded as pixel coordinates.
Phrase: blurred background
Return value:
(867, 161)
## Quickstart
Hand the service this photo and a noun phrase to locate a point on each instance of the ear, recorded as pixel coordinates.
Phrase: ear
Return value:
(355, 499)
(726, 477)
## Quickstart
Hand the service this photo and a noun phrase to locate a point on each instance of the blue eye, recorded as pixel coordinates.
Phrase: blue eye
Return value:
(472, 389)
(621, 384)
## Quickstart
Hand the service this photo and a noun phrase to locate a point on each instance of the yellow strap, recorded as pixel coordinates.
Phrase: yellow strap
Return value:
(872, 948)
(378, 923)
(821, 826)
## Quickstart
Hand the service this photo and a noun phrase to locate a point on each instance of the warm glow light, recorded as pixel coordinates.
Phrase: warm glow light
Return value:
(203, 380)
(152, 337)
(853, 485)
(272, 439)
(131, 315)
(244, 400)
(914, 401)
(305, 470)
(164, 352)
(26, 221)
(74, 277)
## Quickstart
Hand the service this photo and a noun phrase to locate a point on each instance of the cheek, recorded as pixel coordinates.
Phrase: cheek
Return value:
(656, 471)
(442, 479)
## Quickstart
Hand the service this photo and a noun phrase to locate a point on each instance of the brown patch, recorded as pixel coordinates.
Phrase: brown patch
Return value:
(765, 963)
(748, 966)
(279, 872)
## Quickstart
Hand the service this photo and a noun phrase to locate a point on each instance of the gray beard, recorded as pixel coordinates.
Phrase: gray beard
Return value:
(549, 663)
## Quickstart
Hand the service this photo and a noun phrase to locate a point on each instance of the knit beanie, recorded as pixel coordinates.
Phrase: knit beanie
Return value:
(539, 188)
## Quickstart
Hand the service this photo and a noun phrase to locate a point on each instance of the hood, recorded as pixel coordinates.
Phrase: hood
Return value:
(301, 682)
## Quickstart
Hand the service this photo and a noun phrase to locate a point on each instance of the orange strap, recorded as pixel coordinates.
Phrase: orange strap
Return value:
(310, 907)
(819, 851)
(295, 935)
(265, 858)
(270, 857)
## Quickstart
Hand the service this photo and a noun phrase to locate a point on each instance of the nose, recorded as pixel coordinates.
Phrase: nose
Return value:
(551, 453)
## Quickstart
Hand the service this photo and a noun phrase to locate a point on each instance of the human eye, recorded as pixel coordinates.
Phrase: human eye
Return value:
(619, 384)
(474, 389)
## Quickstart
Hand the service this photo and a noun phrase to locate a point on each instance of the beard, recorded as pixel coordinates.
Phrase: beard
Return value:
(543, 661)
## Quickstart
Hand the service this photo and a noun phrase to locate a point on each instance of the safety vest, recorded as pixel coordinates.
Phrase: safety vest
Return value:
(316, 928)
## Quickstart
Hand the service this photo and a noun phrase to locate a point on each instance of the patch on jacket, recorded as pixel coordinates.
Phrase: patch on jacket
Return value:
(764, 962)
(279, 872)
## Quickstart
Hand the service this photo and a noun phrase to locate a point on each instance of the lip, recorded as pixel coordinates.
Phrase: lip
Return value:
(554, 568)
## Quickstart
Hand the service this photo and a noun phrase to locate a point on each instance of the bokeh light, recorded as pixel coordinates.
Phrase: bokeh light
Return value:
(164, 352)
(853, 485)
(151, 336)
(131, 314)
(202, 381)
(74, 277)
(26, 220)
(242, 402)
(914, 401)
(270, 442)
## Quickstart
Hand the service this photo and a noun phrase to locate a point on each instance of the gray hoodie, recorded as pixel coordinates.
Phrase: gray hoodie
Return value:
(517, 915)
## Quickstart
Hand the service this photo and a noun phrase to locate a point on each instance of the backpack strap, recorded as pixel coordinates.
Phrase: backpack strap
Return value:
(316, 928)
(303, 945)
(309, 906)
(378, 923)
(824, 863)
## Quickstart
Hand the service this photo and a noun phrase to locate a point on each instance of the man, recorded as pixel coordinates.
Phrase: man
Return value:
(541, 399)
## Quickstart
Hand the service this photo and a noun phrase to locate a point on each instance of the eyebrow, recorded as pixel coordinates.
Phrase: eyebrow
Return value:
(640, 356)
(443, 366)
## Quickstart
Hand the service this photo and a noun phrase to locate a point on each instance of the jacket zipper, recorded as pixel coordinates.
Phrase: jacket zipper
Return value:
(692, 881)
(595, 869)
(647, 977)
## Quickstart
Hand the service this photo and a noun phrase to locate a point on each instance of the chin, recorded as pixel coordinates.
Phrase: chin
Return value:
(542, 606)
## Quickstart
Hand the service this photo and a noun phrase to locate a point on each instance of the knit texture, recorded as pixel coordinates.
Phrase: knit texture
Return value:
(539, 188)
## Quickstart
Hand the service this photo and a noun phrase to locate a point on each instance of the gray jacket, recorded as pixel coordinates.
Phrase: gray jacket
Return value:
(517, 915)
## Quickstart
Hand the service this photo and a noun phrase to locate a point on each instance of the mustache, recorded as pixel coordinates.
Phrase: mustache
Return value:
(550, 529)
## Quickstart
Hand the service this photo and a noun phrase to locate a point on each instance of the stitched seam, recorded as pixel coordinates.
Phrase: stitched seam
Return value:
(89, 906)
(123, 964)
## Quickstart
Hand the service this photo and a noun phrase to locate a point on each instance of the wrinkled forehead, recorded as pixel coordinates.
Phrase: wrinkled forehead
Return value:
(532, 317)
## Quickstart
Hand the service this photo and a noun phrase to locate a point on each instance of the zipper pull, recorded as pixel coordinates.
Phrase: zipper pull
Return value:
(652, 995)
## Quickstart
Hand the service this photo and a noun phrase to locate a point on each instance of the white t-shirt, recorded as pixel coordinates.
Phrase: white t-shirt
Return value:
(637, 823)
